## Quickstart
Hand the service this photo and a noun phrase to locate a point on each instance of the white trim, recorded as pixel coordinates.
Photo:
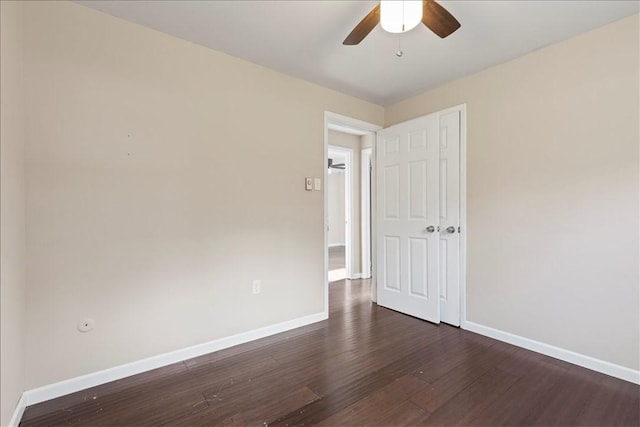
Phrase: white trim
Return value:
(19, 411)
(365, 214)
(325, 207)
(72, 385)
(346, 129)
(374, 219)
(349, 122)
(463, 212)
(344, 121)
(335, 245)
(588, 362)
(356, 276)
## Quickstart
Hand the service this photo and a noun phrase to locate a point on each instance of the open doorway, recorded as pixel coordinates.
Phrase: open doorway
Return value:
(339, 170)
(347, 215)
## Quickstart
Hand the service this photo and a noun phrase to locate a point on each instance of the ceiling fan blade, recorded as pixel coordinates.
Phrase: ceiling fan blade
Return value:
(438, 19)
(364, 27)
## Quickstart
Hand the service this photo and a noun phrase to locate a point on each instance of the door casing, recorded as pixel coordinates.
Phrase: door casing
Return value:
(344, 122)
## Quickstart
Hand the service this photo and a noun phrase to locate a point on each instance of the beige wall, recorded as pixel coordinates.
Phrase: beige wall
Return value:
(341, 139)
(553, 192)
(153, 200)
(12, 220)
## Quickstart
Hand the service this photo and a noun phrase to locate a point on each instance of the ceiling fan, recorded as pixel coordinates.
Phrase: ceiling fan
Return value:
(401, 16)
(336, 165)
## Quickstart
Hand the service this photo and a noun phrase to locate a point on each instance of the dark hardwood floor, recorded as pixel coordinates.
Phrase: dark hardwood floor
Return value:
(366, 365)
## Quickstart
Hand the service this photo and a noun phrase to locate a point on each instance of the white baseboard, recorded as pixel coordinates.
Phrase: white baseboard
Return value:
(17, 414)
(588, 362)
(72, 385)
(355, 276)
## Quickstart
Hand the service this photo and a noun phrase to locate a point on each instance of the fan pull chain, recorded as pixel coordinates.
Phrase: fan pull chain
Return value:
(399, 53)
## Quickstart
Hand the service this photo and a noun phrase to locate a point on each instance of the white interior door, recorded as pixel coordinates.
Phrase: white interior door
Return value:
(449, 190)
(407, 157)
(418, 217)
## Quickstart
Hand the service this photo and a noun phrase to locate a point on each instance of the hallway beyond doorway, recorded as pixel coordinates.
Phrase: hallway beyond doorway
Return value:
(337, 265)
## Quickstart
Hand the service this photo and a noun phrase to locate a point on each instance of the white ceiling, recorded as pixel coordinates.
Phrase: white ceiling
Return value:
(304, 38)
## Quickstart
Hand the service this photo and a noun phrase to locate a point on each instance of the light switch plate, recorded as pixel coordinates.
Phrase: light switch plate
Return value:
(308, 184)
(317, 184)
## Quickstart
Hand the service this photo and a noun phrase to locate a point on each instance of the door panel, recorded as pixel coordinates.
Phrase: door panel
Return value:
(392, 263)
(392, 192)
(407, 158)
(418, 190)
(418, 282)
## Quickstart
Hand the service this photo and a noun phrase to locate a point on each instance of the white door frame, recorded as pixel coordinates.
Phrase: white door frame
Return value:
(462, 108)
(337, 121)
(348, 206)
(365, 221)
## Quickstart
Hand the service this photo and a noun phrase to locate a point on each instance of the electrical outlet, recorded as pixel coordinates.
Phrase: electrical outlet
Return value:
(256, 286)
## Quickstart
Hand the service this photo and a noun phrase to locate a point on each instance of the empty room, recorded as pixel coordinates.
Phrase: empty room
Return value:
(337, 213)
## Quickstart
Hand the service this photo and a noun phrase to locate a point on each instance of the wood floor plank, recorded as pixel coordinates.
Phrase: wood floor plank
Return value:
(366, 365)
(333, 403)
(464, 406)
(523, 402)
(612, 402)
(260, 415)
(383, 405)
(68, 403)
(444, 357)
(242, 396)
(461, 376)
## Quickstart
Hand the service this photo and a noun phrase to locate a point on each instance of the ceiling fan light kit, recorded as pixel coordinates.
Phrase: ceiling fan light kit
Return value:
(400, 16)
